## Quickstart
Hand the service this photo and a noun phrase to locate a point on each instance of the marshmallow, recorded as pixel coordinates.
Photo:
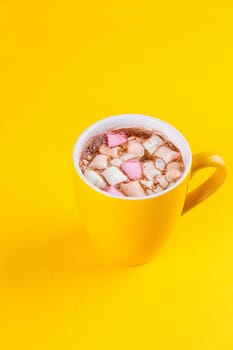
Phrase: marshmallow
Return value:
(149, 170)
(114, 139)
(153, 143)
(133, 189)
(95, 178)
(160, 164)
(114, 175)
(173, 171)
(132, 168)
(99, 162)
(162, 181)
(148, 191)
(136, 148)
(85, 162)
(110, 152)
(166, 154)
(147, 183)
(127, 156)
(116, 162)
(174, 165)
(113, 190)
(158, 189)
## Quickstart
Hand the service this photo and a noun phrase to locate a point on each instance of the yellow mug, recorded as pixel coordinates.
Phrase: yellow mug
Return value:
(128, 230)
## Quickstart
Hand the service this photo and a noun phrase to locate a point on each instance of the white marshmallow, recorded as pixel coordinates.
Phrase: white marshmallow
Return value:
(127, 156)
(174, 165)
(116, 162)
(110, 152)
(114, 175)
(133, 189)
(136, 148)
(99, 162)
(153, 143)
(160, 164)
(166, 154)
(95, 178)
(173, 171)
(162, 181)
(158, 189)
(147, 183)
(149, 170)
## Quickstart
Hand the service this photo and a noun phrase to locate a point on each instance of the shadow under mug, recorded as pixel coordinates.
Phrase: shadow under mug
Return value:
(128, 230)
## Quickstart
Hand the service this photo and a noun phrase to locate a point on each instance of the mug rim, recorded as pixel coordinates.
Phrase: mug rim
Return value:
(114, 118)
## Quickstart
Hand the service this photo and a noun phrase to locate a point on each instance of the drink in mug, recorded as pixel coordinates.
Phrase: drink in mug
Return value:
(131, 179)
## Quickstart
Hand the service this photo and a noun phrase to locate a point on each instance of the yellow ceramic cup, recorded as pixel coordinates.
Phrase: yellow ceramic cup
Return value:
(129, 230)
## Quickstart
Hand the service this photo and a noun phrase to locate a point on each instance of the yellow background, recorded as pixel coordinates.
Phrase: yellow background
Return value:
(64, 65)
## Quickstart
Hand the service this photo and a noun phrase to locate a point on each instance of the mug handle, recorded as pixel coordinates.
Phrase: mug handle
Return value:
(205, 160)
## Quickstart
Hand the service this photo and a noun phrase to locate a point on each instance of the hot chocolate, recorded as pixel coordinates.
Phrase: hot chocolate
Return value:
(131, 162)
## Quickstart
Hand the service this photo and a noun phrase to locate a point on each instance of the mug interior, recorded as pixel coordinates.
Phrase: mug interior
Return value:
(133, 120)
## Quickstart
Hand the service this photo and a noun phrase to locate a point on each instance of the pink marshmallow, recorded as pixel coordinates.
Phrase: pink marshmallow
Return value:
(132, 168)
(113, 190)
(114, 139)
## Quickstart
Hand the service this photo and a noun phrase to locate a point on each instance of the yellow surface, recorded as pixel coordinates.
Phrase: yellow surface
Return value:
(63, 66)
